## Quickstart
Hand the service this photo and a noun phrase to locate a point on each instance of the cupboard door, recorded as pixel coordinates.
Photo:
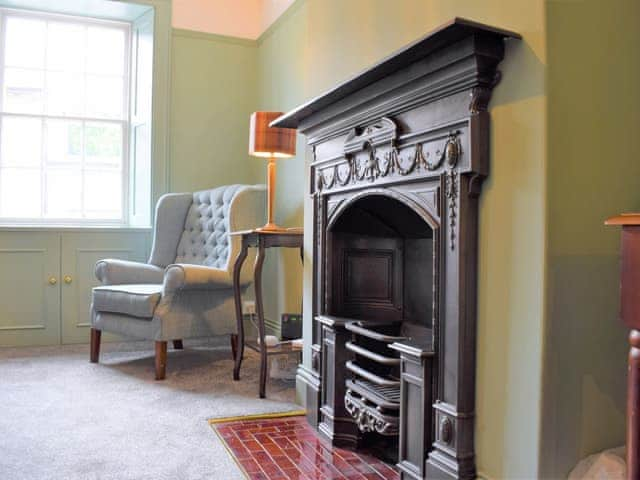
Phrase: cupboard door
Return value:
(29, 288)
(80, 252)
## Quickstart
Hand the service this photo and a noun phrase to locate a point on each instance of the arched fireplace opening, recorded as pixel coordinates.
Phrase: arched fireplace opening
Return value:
(381, 280)
(382, 264)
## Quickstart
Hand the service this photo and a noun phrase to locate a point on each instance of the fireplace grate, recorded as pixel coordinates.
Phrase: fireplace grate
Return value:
(384, 397)
(372, 395)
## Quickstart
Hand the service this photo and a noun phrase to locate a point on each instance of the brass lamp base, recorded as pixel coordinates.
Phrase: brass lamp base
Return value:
(270, 226)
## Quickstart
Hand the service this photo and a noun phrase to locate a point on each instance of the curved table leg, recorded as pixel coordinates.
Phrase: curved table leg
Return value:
(239, 350)
(257, 281)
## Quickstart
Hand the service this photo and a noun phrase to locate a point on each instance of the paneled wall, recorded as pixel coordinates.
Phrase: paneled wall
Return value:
(47, 276)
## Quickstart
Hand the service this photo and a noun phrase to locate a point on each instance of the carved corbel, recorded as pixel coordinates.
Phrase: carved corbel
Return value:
(481, 95)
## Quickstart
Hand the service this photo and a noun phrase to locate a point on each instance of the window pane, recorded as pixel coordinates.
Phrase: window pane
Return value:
(25, 42)
(104, 97)
(64, 141)
(103, 143)
(64, 193)
(20, 193)
(65, 47)
(105, 50)
(23, 90)
(103, 194)
(65, 94)
(63, 157)
(21, 141)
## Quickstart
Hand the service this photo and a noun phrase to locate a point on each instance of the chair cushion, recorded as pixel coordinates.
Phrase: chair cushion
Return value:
(205, 240)
(137, 300)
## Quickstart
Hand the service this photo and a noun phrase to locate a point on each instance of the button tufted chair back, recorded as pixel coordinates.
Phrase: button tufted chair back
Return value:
(205, 239)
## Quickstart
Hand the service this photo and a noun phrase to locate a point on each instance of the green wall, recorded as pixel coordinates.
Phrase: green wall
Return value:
(550, 387)
(319, 43)
(282, 73)
(592, 173)
(213, 92)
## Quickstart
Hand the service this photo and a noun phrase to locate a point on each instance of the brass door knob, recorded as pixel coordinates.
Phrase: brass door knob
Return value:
(68, 279)
(53, 280)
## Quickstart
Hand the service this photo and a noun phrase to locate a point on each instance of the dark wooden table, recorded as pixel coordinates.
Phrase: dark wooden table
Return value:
(630, 316)
(261, 240)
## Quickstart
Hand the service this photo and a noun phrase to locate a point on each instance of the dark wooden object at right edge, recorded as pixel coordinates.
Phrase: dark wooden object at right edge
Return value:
(630, 315)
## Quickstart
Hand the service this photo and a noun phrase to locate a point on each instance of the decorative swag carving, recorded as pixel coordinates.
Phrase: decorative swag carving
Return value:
(363, 162)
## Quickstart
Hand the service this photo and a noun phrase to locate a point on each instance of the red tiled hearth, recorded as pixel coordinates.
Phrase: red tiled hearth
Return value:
(289, 449)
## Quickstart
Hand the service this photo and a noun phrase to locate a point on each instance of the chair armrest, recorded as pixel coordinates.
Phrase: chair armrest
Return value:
(117, 272)
(184, 276)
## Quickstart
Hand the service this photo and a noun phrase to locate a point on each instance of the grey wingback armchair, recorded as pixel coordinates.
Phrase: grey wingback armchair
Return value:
(186, 288)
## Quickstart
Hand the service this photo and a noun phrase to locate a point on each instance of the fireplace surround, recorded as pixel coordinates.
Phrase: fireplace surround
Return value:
(398, 156)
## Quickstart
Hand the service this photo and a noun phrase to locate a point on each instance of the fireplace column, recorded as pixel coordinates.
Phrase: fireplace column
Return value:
(335, 423)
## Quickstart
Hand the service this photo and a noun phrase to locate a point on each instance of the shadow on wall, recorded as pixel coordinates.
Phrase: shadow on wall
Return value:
(510, 276)
(585, 344)
(523, 74)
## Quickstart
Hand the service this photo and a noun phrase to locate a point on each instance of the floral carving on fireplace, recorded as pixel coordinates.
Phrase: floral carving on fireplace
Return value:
(362, 163)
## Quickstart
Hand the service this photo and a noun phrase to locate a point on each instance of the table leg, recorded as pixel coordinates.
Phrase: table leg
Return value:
(239, 351)
(257, 281)
(633, 407)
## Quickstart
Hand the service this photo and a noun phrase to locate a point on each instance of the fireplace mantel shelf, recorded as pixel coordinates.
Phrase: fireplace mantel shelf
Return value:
(447, 34)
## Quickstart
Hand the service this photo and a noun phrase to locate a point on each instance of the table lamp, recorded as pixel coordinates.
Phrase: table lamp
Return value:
(271, 143)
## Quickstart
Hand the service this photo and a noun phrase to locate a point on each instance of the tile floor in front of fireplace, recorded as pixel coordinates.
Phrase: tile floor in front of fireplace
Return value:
(289, 449)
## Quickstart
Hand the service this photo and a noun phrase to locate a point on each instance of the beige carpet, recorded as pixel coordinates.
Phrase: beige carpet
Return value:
(64, 418)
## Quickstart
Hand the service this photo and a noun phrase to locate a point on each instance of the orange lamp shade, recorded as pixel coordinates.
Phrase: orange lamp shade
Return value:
(271, 142)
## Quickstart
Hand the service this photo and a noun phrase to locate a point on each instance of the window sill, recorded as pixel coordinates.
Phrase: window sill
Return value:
(72, 228)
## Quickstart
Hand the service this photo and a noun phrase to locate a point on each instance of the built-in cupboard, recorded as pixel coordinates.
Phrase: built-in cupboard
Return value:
(46, 278)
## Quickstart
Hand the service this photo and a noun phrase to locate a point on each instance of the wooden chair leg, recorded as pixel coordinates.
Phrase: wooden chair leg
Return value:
(95, 345)
(161, 360)
(234, 345)
(177, 345)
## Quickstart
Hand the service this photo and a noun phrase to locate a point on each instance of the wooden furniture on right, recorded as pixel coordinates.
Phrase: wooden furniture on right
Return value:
(630, 316)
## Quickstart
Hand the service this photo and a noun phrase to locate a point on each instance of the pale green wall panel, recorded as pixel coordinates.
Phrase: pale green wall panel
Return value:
(79, 253)
(213, 92)
(36, 312)
(29, 304)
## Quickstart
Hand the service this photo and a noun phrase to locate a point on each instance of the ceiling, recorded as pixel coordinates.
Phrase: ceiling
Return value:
(236, 18)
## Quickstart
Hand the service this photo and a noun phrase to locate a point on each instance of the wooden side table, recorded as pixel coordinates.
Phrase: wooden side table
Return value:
(630, 316)
(261, 240)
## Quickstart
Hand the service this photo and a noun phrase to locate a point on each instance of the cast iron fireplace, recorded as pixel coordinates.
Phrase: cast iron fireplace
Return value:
(398, 157)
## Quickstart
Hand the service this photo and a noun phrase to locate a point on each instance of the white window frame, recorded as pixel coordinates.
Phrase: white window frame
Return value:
(125, 122)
